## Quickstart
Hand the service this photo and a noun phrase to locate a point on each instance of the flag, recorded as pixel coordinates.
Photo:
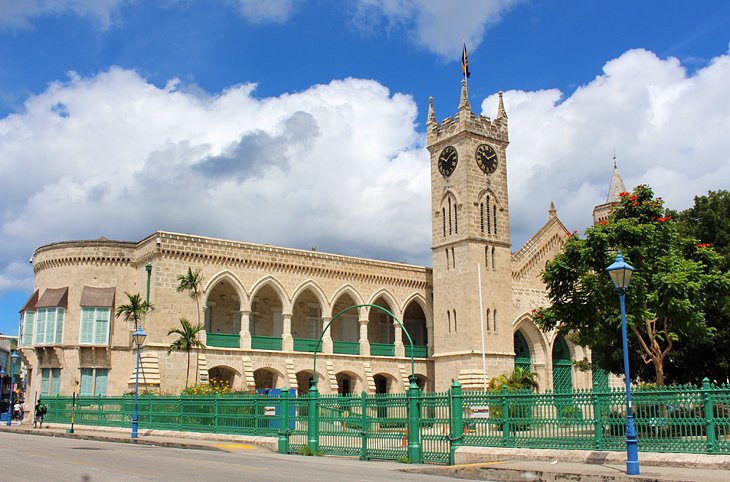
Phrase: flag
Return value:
(465, 63)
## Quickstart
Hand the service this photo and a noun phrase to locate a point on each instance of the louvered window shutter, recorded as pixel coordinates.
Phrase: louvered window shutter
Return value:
(87, 315)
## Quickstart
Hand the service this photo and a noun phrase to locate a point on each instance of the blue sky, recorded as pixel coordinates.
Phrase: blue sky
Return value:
(301, 123)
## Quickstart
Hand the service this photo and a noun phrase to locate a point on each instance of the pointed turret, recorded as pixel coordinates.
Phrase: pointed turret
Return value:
(431, 113)
(464, 100)
(617, 185)
(552, 212)
(501, 113)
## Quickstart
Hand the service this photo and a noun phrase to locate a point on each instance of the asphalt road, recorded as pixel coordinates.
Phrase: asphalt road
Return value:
(31, 458)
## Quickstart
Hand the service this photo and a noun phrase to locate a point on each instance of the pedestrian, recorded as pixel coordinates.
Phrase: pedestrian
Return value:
(16, 411)
(40, 410)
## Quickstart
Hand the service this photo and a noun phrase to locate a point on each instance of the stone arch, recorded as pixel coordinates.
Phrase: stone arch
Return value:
(487, 192)
(225, 374)
(304, 381)
(349, 290)
(385, 383)
(278, 288)
(535, 338)
(306, 314)
(349, 383)
(380, 325)
(316, 290)
(268, 377)
(230, 277)
(451, 193)
(424, 383)
(347, 327)
(387, 296)
(416, 321)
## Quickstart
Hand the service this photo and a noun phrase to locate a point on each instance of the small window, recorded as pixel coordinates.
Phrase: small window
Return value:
(486, 257)
(488, 325)
(28, 323)
(494, 217)
(450, 230)
(453, 258)
(49, 326)
(50, 381)
(481, 217)
(489, 218)
(456, 219)
(494, 264)
(94, 381)
(448, 262)
(455, 321)
(94, 326)
(448, 315)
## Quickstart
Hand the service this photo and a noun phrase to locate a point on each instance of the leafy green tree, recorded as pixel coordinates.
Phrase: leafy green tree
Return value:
(708, 220)
(134, 310)
(186, 341)
(192, 282)
(677, 280)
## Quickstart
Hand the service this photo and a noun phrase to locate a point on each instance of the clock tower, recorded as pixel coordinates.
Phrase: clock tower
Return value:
(470, 242)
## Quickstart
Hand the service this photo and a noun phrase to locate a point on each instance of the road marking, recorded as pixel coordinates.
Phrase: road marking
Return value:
(237, 446)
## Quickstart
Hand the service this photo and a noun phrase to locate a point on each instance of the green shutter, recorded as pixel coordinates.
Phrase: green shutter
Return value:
(45, 372)
(28, 322)
(101, 330)
(86, 329)
(102, 375)
(56, 381)
(562, 367)
(522, 352)
(87, 381)
(50, 325)
(40, 326)
(59, 326)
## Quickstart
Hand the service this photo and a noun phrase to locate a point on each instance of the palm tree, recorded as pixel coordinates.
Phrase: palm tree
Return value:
(191, 282)
(187, 340)
(134, 310)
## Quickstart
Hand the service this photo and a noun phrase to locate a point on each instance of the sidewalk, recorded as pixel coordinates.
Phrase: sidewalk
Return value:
(504, 464)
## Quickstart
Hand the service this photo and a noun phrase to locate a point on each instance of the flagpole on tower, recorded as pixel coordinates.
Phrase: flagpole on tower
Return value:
(465, 64)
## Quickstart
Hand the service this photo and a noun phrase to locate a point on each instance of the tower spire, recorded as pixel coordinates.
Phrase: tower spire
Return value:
(552, 212)
(617, 185)
(431, 114)
(500, 108)
(464, 100)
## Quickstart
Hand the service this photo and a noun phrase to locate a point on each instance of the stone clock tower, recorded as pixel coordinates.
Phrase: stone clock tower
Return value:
(470, 232)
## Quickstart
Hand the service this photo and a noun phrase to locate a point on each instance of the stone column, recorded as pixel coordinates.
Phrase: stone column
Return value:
(287, 341)
(245, 333)
(203, 333)
(364, 342)
(327, 345)
(400, 350)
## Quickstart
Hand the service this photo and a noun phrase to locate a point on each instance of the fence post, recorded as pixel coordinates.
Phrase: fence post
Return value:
(414, 430)
(364, 425)
(457, 420)
(707, 398)
(597, 416)
(217, 412)
(284, 421)
(313, 420)
(505, 417)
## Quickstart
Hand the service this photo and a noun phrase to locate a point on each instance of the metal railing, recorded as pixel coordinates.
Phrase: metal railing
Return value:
(429, 427)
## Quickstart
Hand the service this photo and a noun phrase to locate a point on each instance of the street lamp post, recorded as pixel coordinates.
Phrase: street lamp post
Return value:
(2, 376)
(14, 357)
(138, 337)
(620, 273)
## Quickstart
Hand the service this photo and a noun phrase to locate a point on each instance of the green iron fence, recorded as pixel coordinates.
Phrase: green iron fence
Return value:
(429, 427)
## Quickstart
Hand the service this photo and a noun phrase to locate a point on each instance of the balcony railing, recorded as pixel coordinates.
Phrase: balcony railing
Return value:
(418, 351)
(266, 343)
(223, 340)
(346, 347)
(382, 349)
(306, 344)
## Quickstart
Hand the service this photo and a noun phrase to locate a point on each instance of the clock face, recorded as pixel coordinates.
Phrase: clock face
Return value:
(486, 158)
(447, 160)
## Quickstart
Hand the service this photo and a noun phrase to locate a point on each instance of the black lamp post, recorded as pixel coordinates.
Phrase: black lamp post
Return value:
(620, 273)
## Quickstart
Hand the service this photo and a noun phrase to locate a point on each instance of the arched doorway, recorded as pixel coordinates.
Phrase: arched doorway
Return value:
(223, 316)
(562, 366)
(414, 320)
(381, 332)
(522, 352)
(304, 381)
(266, 320)
(223, 375)
(267, 378)
(345, 331)
(306, 321)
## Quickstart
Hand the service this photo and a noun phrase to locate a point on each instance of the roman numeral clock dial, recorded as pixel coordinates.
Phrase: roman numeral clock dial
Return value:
(448, 160)
(487, 159)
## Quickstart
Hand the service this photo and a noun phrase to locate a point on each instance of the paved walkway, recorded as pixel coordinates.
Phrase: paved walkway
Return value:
(505, 465)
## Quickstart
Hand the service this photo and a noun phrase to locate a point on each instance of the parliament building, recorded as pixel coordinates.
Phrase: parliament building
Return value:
(264, 307)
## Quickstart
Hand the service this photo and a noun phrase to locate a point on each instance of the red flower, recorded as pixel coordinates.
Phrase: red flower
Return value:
(703, 245)
(623, 194)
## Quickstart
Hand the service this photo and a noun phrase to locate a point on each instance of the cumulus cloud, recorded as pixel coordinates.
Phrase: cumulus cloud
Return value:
(438, 27)
(17, 14)
(668, 129)
(340, 166)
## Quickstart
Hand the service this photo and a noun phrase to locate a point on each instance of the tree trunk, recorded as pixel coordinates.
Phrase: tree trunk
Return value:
(659, 368)
(187, 372)
(197, 352)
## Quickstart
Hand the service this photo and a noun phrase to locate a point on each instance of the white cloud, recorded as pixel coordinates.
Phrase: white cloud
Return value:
(17, 13)
(275, 11)
(338, 165)
(669, 130)
(437, 26)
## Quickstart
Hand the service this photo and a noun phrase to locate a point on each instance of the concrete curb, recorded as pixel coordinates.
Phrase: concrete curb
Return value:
(473, 455)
